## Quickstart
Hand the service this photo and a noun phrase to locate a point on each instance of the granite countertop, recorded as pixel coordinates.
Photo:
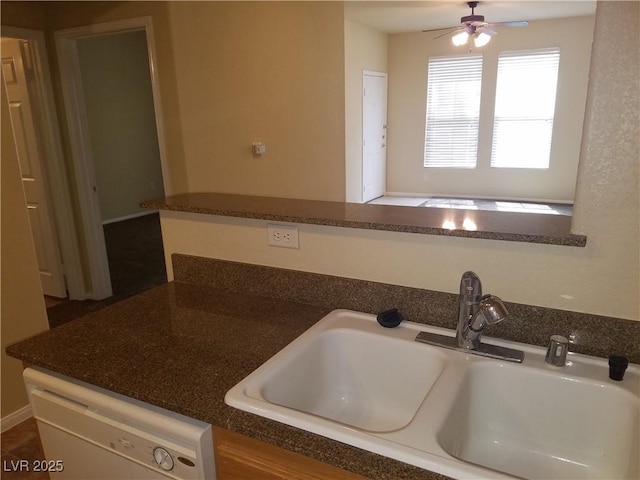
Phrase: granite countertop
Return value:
(509, 226)
(182, 347)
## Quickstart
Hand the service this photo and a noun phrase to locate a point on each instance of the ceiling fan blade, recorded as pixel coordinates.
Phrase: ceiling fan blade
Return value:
(520, 23)
(486, 30)
(439, 29)
(450, 32)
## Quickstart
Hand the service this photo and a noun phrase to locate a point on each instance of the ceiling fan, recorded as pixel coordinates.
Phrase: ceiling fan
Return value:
(474, 26)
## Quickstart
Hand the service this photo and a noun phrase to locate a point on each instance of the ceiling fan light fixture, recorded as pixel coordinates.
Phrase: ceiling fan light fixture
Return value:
(481, 39)
(460, 38)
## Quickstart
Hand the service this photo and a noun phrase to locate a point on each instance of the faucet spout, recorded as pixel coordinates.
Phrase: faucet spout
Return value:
(468, 301)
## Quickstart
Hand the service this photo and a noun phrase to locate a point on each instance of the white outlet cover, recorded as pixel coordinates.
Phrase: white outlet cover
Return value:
(285, 236)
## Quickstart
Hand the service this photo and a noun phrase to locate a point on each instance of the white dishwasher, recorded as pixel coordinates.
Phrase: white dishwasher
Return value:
(89, 433)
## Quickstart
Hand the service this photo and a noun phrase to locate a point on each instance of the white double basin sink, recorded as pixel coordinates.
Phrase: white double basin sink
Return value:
(453, 413)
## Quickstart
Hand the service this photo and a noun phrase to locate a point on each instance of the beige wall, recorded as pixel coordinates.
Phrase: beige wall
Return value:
(22, 309)
(408, 58)
(270, 72)
(124, 139)
(232, 73)
(364, 49)
(602, 278)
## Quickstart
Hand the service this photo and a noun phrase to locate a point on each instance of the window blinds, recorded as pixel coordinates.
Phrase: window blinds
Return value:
(524, 109)
(453, 110)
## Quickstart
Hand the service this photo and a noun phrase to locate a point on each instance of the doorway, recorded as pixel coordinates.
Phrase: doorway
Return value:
(112, 107)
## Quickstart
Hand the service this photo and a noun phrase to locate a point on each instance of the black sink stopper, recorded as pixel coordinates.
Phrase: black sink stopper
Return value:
(617, 366)
(390, 318)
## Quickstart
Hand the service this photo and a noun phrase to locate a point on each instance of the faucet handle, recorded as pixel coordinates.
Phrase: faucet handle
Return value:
(557, 351)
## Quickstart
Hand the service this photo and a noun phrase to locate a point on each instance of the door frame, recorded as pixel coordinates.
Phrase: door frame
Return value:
(56, 183)
(78, 128)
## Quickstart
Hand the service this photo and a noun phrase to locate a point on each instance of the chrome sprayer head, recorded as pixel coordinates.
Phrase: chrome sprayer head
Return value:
(490, 312)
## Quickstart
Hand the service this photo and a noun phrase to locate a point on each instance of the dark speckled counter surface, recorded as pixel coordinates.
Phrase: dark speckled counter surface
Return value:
(181, 347)
(514, 227)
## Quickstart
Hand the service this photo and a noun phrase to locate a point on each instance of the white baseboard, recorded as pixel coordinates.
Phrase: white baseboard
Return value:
(129, 217)
(15, 418)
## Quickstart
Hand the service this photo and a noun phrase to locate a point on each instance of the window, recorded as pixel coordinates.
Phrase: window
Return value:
(453, 111)
(524, 110)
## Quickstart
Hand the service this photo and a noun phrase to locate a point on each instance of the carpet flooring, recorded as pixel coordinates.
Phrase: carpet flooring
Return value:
(136, 264)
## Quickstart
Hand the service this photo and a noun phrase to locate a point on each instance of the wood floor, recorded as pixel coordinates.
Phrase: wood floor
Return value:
(21, 451)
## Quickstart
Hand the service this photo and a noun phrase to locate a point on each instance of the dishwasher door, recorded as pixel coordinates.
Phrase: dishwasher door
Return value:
(90, 433)
(71, 457)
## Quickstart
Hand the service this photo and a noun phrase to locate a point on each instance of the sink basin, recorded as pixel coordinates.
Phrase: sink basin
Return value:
(460, 415)
(357, 378)
(537, 424)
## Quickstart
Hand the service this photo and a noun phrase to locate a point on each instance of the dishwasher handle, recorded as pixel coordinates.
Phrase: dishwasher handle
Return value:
(44, 395)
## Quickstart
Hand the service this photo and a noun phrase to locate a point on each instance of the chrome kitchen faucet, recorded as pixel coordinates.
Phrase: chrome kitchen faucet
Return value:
(475, 312)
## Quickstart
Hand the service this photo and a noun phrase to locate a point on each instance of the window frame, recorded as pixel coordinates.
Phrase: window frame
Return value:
(445, 149)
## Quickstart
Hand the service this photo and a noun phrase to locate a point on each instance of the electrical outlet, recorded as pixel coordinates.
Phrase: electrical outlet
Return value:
(283, 236)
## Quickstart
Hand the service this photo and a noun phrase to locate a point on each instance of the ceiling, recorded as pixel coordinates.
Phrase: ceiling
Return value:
(415, 16)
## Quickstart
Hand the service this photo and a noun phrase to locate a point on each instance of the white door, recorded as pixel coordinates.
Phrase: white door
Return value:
(374, 135)
(31, 160)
